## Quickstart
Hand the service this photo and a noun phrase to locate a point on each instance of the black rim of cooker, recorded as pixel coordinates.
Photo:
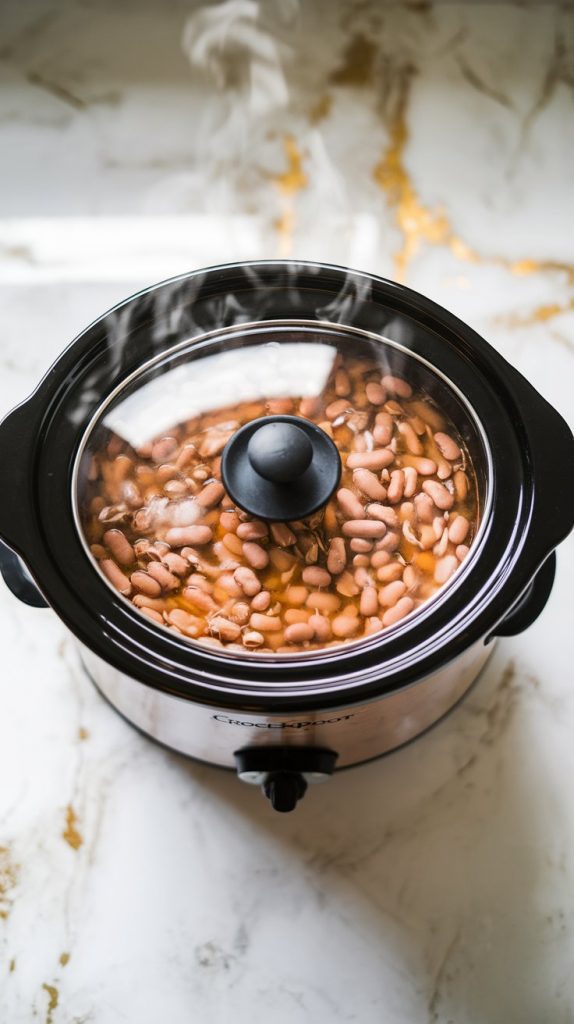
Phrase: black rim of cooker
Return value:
(531, 447)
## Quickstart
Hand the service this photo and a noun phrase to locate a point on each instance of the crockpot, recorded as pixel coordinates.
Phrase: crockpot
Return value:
(282, 720)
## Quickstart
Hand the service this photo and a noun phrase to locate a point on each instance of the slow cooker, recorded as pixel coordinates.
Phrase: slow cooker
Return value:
(261, 334)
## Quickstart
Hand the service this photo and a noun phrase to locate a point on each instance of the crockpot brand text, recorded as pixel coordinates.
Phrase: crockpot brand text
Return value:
(281, 725)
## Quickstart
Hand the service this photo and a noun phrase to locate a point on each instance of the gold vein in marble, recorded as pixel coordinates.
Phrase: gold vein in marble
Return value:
(53, 999)
(539, 315)
(289, 183)
(64, 959)
(71, 833)
(8, 881)
(415, 221)
(418, 223)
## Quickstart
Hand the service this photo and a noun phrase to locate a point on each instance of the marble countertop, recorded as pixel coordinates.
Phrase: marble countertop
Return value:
(433, 143)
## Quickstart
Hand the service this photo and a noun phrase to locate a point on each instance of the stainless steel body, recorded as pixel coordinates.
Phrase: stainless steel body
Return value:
(355, 732)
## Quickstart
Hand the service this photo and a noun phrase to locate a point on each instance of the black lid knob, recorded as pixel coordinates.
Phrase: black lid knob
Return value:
(280, 468)
(280, 451)
(284, 789)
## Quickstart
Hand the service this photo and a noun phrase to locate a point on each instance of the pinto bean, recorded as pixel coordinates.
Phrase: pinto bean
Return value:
(337, 408)
(391, 572)
(460, 485)
(369, 604)
(370, 460)
(117, 578)
(210, 495)
(230, 522)
(337, 556)
(462, 551)
(309, 407)
(411, 479)
(321, 627)
(368, 484)
(265, 623)
(361, 546)
(383, 429)
(384, 514)
(458, 529)
(119, 546)
(175, 563)
(226, 586)
(396, 486)
(322, 601)
(261, 601)
(375, 393)
(342, 384)
(350, 504)
(233, 544)
(153, 615)
(379, 558)
(410, 439)
(445, 567)
(224, 629)
(198, 597)
(390, 593)
(296, 595)
(364, 528)
(403, 607)
(240, 613)
(397, 386)
(424, 466)
(164, 577)
(180, 536)
(164, 449)
(175, 489)
(372, 625)
(411, 577)
(292, 615)
(247, 580)
(447, 446)
(344, 626)
(362, 576)
(298, 633)
(279, 406)
(255, 555)
(253, 639)
(442, 498)
(424, 508)
(187, 455)
(145, 584)
(390, 541)
(315, 576)
(166, 472)
(142, 601)
(255, 529)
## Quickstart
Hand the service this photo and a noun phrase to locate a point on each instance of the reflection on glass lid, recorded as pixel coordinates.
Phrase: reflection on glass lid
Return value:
(167, 536)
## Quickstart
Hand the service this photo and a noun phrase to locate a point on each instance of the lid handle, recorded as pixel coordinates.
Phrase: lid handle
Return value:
(280, 452)
(280, 468)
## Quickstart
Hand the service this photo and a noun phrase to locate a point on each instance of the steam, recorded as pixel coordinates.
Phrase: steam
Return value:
(228, 42)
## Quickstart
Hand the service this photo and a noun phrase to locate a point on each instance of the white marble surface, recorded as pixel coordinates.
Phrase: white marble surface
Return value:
(434, 886)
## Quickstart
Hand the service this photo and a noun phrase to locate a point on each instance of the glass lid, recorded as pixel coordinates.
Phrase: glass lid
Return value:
(282, 488)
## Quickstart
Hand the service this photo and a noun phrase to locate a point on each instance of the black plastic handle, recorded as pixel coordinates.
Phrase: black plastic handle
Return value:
(17, 580)
(532, 602)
